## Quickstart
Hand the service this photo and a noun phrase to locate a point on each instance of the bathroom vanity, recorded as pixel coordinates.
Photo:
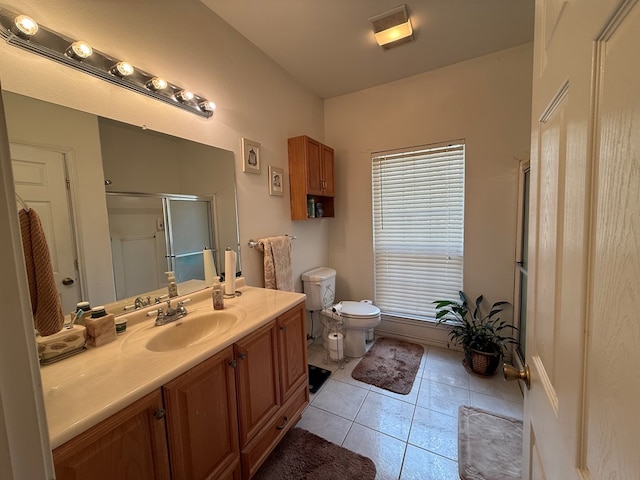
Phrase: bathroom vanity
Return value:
(208, 396)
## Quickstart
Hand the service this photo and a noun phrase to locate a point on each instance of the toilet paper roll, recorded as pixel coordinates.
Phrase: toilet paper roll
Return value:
(336, 346)
(230, 272)
(210, 273)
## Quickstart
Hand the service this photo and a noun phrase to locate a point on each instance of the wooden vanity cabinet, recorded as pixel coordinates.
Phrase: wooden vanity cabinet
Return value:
(219, 420)
(311, 175)
(130, 444)
(273, 370)
(292, 347)
(202, 421)
(258, 384)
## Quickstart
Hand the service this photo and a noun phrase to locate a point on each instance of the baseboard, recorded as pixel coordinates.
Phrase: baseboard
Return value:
(426, 333)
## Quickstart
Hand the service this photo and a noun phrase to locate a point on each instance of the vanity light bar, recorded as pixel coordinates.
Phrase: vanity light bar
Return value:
(81, 56)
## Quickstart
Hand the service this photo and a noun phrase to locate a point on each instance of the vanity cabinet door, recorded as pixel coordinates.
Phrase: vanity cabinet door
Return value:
(129, 444)
(258, 383)
(292, 347)
(202, 421)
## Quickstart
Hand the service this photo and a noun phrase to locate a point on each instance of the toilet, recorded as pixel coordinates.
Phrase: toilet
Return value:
(358, 319)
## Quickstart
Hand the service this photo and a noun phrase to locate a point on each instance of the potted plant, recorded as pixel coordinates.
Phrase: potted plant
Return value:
(484, 337)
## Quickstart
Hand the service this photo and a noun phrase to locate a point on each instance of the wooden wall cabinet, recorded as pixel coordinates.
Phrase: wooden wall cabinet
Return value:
(219, 420)
(311, 175)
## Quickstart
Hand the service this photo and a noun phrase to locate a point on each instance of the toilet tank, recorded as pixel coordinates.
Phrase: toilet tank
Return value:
(319, 285)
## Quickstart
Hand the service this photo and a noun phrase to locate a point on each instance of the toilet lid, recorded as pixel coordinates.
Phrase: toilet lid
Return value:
(359, 310)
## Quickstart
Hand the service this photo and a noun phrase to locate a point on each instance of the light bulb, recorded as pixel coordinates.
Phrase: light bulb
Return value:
(80, 50)
(207, 106)
(156, 83)
(25, 25)
(122, 69)
(184, 95)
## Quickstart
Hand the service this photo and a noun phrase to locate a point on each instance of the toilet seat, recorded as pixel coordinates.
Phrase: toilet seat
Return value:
(356, 310)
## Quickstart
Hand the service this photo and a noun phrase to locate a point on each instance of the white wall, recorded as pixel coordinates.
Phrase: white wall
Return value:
(487, 102)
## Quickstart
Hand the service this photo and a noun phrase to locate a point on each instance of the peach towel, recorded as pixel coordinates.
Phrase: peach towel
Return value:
(278, 273)
(45, 300)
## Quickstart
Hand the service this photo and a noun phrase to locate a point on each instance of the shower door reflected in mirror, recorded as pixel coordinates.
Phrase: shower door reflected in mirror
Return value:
(189, 232)
(155, 233)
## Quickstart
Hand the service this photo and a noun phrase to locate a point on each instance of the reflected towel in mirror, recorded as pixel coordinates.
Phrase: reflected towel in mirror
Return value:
(45, 300)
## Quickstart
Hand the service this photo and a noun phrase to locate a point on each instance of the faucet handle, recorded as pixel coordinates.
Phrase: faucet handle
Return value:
(161, 298)
(182, 302)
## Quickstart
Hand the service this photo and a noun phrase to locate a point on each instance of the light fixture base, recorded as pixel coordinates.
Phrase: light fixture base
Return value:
(393, 27)
(55, 46)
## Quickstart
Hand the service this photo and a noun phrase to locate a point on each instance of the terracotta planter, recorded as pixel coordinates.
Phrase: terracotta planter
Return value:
(481, 363)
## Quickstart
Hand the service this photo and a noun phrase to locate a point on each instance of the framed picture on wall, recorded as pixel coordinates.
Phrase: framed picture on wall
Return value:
(276, 181)
(250, 156)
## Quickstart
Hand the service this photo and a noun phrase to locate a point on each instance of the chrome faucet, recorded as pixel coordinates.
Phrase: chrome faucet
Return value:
(141, 302)
(170, 314)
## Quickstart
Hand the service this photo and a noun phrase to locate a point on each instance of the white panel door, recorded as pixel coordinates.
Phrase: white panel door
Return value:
(40, 180)
(583, 332)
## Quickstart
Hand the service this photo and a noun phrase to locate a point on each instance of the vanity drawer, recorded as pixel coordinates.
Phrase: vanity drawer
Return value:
(255, 453)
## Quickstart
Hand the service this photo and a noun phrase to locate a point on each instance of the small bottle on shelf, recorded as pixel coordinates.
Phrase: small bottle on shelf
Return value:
(311, 207)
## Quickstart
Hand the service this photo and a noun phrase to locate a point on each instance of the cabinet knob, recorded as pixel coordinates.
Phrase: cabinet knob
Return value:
(159, 414)
(283, 327)
(233, 363)
(243, 356)
(284, 424)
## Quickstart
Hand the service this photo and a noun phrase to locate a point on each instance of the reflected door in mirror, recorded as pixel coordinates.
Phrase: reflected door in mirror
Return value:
(40, 180)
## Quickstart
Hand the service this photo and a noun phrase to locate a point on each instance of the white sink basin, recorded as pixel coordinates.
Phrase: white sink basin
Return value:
(190, 330)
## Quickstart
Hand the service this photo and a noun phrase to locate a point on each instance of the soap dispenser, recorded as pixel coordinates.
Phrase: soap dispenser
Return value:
(218, 295)
(172, 286)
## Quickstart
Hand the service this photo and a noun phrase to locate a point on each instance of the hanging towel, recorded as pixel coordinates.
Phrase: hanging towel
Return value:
(278, 274)
(45, 300)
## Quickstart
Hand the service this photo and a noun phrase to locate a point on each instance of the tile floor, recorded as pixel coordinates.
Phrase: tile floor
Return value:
(410, 436)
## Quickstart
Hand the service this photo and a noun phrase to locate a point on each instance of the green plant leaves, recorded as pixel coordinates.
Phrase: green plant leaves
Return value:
(475, 330)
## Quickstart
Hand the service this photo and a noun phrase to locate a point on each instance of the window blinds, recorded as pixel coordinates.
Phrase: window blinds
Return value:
(418, 228)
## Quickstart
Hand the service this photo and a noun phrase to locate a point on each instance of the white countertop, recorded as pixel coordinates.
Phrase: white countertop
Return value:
(87, 388)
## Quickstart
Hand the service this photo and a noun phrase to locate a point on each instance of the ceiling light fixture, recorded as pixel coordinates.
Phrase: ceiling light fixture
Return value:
(20, 31)
(184, 95)
(122, 69)
(79, 50)
(24, 26)
(207, 106)
(156, 83)
(392, 28)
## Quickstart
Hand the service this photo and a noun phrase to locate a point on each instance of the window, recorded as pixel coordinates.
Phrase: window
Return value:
(418, 228)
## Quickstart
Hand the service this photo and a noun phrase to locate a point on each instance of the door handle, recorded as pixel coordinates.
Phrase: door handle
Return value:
(67, 281)
(512, 373)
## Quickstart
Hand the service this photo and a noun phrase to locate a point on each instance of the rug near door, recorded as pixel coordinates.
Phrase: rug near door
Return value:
(489, 445)
(301, 455)
(390, 364)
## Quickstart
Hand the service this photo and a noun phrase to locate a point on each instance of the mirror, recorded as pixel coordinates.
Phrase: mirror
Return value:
(99, 155)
